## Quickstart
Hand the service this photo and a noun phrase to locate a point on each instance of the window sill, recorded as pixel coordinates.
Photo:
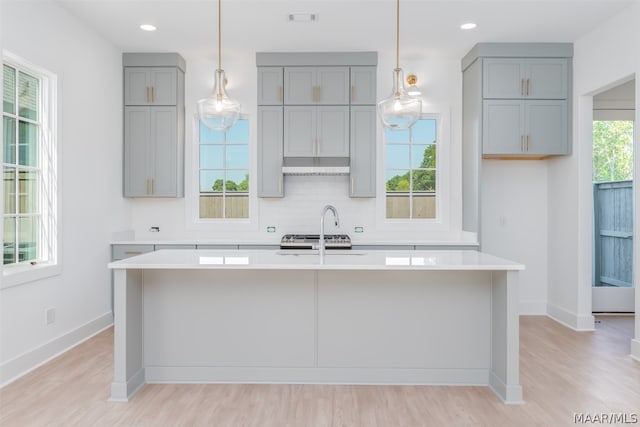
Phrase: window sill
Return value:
(20, 274)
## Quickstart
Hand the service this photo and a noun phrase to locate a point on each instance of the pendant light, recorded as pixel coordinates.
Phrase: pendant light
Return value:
(400, 110)
(218, 111)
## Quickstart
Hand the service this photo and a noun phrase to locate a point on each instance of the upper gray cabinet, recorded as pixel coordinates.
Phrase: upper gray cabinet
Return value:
(363, 85)
(154, 122)
(517, 99)
(534, 78)
(270, 86)
(318, 108)
(316, 85)
(150, 86)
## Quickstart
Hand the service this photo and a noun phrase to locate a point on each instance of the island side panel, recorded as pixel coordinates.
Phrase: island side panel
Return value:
(207, 325)
(434, 325)
(505, 330)
(128, 372)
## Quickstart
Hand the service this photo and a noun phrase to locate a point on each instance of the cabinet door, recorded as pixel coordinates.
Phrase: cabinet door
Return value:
(270, 183)
(547, 78)
(363, 152)
(503, 126)
(164, 152)
(150, 86)
(547, 127)
(300, 138)
(137, 82)
(299, 85)
(503, 78)
(332, 86)
(332, 132)
(270, 85)
(137, 123)
(363, 85)
(164, 86)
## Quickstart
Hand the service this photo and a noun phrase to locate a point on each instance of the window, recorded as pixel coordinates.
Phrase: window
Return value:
(28, 165)
(224, 171)
(411, 171)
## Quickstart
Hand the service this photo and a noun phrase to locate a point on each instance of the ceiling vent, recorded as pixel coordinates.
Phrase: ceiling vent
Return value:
(302, 17)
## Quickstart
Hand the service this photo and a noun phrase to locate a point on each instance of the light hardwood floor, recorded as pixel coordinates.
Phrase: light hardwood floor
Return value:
(563, 372)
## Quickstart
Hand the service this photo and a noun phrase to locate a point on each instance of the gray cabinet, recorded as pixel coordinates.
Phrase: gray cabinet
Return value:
(536, 78)
(537, 127)
(363, 85)
(327, 111)
(270, 86)
(362, 179)
(270, 180)
(311, 131)
(153, 125)
(151, 152)
(519, 96)
(150, 86)
(316, 85)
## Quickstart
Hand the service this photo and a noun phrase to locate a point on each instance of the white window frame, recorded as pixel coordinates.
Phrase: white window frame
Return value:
(48, 262)
(442, 221)
(192, 190)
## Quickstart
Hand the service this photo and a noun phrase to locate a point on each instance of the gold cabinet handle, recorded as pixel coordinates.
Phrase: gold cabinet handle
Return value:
(153, 94)
(528, 87)
(522, 87)
(313, 93)
(146, 94)
(132, 252)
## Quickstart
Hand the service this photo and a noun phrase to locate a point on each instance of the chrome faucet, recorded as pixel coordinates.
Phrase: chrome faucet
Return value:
(321, 245)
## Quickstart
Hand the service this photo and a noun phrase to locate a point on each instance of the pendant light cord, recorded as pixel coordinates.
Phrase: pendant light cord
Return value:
(397, 33)
(219, 35)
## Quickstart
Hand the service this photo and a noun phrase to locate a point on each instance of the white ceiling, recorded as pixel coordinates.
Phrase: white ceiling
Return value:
(429, 28)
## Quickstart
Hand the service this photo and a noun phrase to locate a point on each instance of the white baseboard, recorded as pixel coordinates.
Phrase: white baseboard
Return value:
(533, 308)
(21, 365)
(571, 320)
(635, 349)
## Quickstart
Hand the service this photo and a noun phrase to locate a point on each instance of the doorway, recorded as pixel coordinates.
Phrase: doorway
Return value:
(613, 142)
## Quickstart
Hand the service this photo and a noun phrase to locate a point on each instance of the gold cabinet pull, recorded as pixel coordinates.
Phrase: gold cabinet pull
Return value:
(132, 252)
(528, 87)
(528, 142)
(146, 94)
(522, 87)
(153, 94)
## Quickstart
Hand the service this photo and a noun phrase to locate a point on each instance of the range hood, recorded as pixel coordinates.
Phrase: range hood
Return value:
(315, 166)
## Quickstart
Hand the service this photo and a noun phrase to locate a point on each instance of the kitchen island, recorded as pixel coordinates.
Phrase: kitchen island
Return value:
(265, 316)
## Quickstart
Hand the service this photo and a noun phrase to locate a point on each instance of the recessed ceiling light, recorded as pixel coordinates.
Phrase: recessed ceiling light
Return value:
(147, 27)
(468, 26)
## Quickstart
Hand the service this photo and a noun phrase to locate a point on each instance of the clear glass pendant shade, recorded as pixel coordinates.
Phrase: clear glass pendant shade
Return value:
(218, 111)
(400, 110)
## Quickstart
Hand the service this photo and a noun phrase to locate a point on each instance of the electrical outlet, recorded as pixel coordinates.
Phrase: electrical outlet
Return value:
(154, 229)
(50, 316)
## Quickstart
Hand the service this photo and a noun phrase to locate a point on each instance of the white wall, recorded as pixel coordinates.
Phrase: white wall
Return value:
(514, 223)
(89, 168)
(607, 55)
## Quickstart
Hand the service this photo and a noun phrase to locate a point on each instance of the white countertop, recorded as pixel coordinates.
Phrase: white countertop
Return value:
(189, 259)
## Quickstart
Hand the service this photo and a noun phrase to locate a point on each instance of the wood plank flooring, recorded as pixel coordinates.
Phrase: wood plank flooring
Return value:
(563, 372)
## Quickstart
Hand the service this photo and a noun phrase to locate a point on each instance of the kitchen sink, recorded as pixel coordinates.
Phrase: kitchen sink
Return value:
(314, 252)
